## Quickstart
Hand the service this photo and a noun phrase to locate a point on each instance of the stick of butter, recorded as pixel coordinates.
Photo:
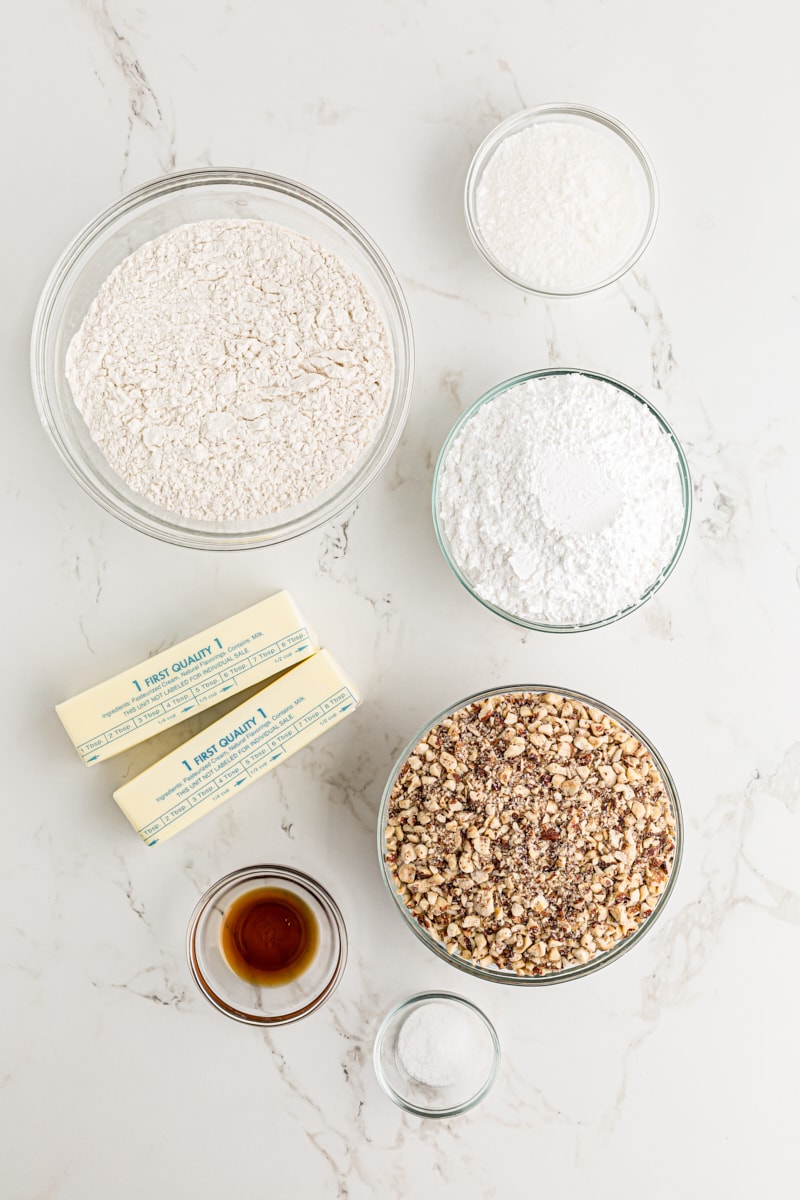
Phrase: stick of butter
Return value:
(249, 648)
(252, 739)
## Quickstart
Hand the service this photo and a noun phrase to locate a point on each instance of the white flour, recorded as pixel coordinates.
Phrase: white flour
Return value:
(561, 206)
(561, 500)
(230, 369)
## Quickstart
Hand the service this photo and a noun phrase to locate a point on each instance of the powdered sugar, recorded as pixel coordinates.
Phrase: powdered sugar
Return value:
(561, 500)
(562, 206)
(230, 369)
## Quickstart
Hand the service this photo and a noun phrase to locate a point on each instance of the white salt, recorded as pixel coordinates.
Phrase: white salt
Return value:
(438, 1043)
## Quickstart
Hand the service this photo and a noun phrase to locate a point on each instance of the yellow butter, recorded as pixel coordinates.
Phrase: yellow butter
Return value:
(238, 652)
(250, 740)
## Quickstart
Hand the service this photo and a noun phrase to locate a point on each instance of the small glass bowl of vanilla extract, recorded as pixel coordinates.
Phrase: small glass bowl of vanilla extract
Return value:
(267, 945)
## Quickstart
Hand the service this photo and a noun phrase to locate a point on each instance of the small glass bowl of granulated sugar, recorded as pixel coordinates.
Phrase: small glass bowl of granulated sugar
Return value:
(561, 199)
(562, 500)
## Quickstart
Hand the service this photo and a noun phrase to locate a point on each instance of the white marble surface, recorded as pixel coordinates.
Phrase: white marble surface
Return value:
(673, 1073)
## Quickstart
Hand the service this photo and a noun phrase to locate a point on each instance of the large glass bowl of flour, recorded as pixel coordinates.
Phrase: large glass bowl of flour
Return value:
(562, 500)
(146, 214)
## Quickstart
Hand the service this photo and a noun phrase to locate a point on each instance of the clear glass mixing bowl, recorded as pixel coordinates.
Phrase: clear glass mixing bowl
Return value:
(681, 466)
(144, 214)
(496, 974)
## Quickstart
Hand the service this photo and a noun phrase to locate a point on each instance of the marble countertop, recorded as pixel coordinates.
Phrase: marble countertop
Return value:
(672, 1073)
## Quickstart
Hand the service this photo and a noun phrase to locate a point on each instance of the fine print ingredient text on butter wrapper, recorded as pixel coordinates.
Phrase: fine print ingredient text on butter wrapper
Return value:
(248, 742)
(240, 651)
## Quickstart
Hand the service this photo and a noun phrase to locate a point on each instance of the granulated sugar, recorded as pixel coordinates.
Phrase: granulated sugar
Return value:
(562, 206)
(561, 500)
(231, 369)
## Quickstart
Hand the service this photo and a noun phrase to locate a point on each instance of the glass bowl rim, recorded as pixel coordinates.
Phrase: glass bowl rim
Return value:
(163, 526)
(303, 882)
(521, 120)
(606, 957)
(453, 1110)
(686, 492)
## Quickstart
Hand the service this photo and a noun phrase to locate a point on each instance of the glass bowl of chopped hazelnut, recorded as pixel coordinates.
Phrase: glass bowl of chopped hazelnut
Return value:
(530, 835)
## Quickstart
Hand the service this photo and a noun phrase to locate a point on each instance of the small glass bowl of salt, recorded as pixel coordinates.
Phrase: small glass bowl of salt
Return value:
(436, 1054)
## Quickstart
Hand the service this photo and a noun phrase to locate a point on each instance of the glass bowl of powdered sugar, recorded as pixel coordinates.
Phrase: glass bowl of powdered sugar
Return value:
(223, 359)
(436, 1054)
(562, 500)
(561, 199)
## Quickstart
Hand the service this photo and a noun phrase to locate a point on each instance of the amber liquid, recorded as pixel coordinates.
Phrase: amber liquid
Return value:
(269, 936)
